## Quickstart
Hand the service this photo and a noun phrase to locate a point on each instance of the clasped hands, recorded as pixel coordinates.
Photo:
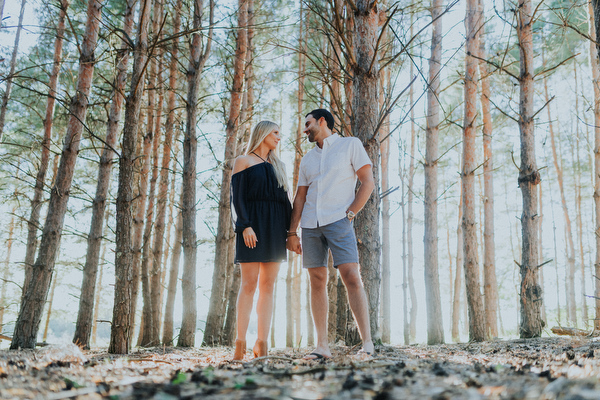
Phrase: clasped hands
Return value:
(292, 243)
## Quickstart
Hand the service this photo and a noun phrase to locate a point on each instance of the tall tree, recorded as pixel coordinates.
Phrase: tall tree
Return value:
(161, 204)
(13, 65)
(40, 179)
(30, 314)
(477, 330)
(150, 326)
(225, 234)
(385, 218)
(6, 270)
(435, 331)
(490, 285)
(120, 333)
(594, 11)
(199, 49)
(88, 285)
(365, 120)
(529, 177)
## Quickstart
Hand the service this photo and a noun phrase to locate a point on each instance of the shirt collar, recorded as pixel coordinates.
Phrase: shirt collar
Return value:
(328, 141)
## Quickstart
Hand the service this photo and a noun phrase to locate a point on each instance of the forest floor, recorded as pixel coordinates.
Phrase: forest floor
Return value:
(546, 368)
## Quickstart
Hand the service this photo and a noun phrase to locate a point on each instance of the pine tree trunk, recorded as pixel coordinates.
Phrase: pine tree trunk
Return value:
(531, 293)
(435, 331)
(98, 295)
(403, 205)
(365, 113)
(172, 288)
(477, 330)
(578, 220)
(11, 73)
(225, 234)
(289, 312)
(490, 283)
(83, 327)
(6, 270)
(297, 300)
(570, 281)
(163, 190)
(594, 11)
(409, 212)
(36, 292)
(199, 55)
(38, 191)
(124, 302)
(49, 311)
(458, 284)
(385, 217)
(332, 288)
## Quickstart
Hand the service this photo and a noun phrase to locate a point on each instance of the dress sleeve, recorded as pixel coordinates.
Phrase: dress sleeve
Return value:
(239, 204)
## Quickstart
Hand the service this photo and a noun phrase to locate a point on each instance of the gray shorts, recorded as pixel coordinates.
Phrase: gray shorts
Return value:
(338, 236)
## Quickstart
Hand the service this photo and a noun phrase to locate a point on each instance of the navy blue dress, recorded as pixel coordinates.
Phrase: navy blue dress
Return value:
(259, 202)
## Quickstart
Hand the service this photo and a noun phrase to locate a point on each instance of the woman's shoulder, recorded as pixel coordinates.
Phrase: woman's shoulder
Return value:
(241, 163)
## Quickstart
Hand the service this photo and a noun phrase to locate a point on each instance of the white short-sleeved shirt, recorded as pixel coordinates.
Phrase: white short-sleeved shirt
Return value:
(330, 174)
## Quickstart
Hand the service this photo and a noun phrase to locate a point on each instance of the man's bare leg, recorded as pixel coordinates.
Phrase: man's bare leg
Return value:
(357, 298)
(320, 309)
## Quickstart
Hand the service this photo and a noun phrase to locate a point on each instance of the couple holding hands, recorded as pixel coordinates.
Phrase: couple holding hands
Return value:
(324, 206)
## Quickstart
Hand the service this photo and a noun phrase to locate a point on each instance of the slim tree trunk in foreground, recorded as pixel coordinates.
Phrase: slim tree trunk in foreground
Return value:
(225, 234)
(199, 55)
(365, 113)
(385, 217)
(458, 284)
(6, 270)
(38, 191)
(161, 203)
(32, 304)
(531, 293)
(594, 11)
(435, 331)
(11, 73)
(84, 323)
(477, 330)
(490, 285)
(120, 334)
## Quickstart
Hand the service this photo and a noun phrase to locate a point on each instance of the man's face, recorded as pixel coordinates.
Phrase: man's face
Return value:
(311, 128)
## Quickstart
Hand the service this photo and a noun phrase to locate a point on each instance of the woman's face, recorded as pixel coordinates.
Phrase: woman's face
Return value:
(272, 139)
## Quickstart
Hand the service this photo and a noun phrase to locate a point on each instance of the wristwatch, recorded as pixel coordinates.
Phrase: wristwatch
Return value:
(350, 215)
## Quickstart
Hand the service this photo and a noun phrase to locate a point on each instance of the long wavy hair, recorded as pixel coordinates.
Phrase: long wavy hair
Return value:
(259, 133)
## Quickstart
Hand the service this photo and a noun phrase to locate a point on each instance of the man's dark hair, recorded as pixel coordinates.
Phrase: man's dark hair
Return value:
(322, 113)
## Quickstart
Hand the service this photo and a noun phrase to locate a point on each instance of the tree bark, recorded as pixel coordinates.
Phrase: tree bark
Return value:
(477, 330)
(38, 191)
(30, 314)
(11, 73)
(594, 11)
(458, 284)
(6, 270)
(49, 311)
(365, 113)
(531, 293)
(83, 326)
(172, 288)
(163, 191)
(409, 211)
(490, 285)
(225, 234)
(199, 55)
(435, 331)
(385, 216)
(124, 307)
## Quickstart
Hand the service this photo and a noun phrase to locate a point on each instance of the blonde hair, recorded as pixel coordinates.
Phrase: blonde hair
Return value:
(258, 135)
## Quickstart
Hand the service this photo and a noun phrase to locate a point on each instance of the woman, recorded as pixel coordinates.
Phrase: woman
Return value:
(261, 211)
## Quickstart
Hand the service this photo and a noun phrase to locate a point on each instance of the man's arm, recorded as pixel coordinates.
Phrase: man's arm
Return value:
(367, 184)
(293, 242)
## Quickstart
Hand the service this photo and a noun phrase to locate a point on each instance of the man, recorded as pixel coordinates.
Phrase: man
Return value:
(325, 204)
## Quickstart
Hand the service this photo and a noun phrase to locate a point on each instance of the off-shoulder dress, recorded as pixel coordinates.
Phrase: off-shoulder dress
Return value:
(259, 202)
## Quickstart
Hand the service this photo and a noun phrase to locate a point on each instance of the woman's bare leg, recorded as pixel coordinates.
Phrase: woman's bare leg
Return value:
(246, 297)
(264, 306)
